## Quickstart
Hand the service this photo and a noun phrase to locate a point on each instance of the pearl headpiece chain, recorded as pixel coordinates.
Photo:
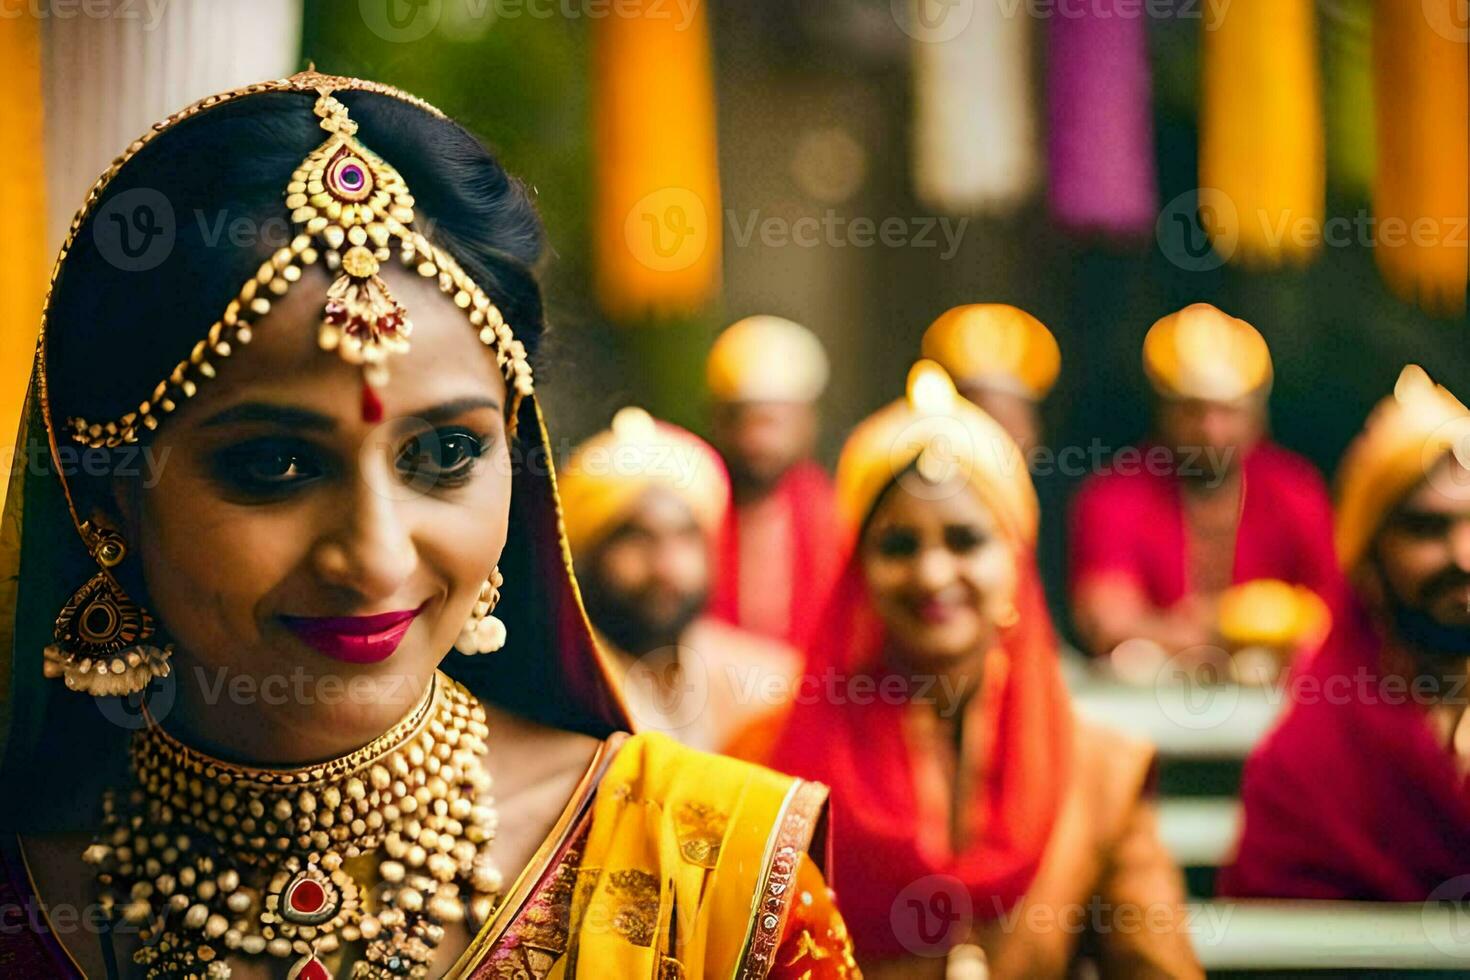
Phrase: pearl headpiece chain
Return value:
(351, 211)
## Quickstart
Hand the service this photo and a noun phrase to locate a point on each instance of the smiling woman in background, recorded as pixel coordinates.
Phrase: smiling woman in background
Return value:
(332, 508)
(978, 822)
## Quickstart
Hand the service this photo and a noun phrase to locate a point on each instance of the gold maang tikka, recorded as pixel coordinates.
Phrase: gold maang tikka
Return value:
(351, 210)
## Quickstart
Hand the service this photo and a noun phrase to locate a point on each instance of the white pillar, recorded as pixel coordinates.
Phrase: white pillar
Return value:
(112, 68)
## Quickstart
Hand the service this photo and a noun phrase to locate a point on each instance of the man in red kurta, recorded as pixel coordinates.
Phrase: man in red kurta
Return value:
(777, 548)
(1210, 503)
(1361, 791)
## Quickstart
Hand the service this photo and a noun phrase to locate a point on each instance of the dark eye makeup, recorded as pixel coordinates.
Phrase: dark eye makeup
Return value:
(904, 542)
(270, 468)
(897, 542)
(963, 538)
(446, 458)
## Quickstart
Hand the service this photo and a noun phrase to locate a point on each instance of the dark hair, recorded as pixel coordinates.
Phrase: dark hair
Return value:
(118, 326)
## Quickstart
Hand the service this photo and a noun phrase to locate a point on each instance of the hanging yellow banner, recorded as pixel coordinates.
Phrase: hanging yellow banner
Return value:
(22, 201)
(657, 212)
(1421, 192)
(1261, 136)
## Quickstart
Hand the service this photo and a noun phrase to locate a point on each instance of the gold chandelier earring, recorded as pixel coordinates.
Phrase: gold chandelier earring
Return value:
(102, 635)
(484, 633)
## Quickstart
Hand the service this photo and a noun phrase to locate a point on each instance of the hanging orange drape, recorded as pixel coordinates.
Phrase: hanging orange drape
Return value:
(22, 202)
(1261, 139)
(657, 210)
(1421, 189)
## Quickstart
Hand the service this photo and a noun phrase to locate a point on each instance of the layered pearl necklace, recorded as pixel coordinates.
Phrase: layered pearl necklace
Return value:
(210, 859)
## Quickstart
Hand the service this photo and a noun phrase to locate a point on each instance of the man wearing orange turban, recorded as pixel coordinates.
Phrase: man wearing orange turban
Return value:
(1361, 791)
(1006, 361)
(1168, 526)
(777, 546)
(643, 503)
(1002, 359)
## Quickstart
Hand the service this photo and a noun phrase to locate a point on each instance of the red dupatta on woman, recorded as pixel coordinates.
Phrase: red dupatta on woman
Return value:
(860, 745)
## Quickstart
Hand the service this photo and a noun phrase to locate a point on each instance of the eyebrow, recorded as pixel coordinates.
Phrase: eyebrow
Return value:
(282, 415)
(302, 418)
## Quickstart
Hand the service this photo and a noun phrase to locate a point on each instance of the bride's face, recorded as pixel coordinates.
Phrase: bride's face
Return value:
(282, 520)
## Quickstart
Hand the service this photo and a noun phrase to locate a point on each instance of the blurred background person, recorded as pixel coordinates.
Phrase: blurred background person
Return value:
(776, 559)
(1006, 361)
(1208, 502)
(1361, 792)
(643, 502)
(962, 779)
(1001, 358)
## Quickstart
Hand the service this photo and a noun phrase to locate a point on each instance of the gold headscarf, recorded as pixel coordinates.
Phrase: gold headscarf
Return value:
(941, 435)
(1203, 352)
(1406, 435)
(606, 475)
(766, 358)
(996, 346)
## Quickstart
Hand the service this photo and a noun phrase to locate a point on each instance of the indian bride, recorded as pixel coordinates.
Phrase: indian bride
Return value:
(265, 713)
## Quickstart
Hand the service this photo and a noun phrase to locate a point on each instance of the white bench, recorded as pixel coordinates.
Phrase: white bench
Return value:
(1279, 935)
(1183, 721)
(1200, 832)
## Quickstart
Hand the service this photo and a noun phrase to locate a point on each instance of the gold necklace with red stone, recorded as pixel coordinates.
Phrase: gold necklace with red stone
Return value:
(210, 860)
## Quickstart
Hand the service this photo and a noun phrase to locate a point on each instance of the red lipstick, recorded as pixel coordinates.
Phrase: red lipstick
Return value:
(932, 611)
(354, 639)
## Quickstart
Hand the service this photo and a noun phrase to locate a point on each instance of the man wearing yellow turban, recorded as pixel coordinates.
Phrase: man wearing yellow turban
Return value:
(1361, 792)
(776, 550)
(1166, 527)
(1002, 359)
(643, 503)
(1006, 361)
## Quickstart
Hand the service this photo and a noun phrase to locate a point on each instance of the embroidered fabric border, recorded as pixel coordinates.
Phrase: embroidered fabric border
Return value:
(789, 842)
